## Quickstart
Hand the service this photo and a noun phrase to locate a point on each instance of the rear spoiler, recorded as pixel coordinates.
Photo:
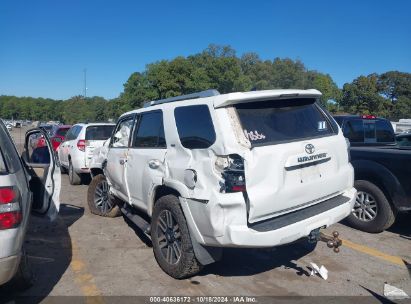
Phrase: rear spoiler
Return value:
(254, 96)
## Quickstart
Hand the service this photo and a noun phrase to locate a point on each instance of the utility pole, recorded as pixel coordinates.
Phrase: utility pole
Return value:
(85, 83)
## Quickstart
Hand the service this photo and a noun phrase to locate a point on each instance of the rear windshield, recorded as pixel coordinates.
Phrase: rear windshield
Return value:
(369, 131)
(62, 131)
(99, 132)
(276, 121)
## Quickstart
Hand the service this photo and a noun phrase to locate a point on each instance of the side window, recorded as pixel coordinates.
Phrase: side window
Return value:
(73, 133)
(150, 132)
(69, 135)
(354, 130)
(77, 132)
(9, 159)
(37, 153)
(122, 132)
(195, 126)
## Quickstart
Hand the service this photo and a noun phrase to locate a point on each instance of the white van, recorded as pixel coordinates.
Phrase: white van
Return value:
(252, 169)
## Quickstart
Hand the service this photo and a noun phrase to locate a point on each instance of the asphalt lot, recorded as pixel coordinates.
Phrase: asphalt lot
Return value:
(82, 254)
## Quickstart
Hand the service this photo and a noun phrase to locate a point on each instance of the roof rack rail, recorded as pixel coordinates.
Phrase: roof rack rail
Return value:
(202, 94)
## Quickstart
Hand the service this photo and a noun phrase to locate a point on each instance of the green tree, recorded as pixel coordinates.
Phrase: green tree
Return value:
(362, 96)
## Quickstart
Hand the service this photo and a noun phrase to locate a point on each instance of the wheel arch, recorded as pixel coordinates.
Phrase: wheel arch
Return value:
(158, 192)
(96, 171)
(381, 177)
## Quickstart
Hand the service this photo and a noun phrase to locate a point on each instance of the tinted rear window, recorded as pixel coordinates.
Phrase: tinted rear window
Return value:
(368, 131)
(195, 126)
(99, 132)
(276, 121)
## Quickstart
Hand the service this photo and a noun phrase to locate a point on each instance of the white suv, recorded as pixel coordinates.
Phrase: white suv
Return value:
(205, 171)
(77, 149)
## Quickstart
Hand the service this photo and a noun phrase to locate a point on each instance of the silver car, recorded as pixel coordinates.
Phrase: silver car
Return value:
(30, 183)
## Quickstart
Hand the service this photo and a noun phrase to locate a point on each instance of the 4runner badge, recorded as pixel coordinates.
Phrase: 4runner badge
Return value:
(309, 148)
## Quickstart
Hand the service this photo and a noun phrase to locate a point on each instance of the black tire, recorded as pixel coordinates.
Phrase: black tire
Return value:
(74, 178)
(107, 205)
(187, 264)
(24, 277)
(63, 170)
(379, 218)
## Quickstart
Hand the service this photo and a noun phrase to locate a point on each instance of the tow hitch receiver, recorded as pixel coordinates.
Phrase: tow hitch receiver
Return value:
(332, 241)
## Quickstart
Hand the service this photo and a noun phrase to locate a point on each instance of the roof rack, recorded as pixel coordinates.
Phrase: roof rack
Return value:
(202, 94)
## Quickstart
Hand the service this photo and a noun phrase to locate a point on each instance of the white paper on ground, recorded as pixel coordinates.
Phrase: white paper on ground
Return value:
(322, 271)
(394, 292)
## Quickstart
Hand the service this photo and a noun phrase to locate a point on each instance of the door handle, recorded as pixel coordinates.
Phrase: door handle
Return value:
(123, 161)
(154, 163)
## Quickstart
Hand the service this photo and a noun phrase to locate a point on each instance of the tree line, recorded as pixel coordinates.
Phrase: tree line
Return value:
(218, 67)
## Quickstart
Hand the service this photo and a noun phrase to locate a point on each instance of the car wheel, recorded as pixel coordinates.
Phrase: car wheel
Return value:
(171, 240)
(99, 199)
(371, 212)
(74, 178)
(24, 277)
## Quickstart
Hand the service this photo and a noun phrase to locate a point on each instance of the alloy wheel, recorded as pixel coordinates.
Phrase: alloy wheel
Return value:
(365, 207)
(169, 237)
(102, 199)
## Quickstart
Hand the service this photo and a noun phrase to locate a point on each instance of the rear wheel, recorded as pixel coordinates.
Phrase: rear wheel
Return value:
(371, 212)
(172, 245)
(74, 178)
(99, 200)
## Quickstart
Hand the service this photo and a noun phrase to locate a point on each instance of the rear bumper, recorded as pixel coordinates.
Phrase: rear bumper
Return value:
(8, 268)
(229, 228)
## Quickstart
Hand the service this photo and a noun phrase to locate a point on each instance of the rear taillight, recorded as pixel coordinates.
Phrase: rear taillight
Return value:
(10, 211)
(7, 195)
(231, 168)
(81, 145)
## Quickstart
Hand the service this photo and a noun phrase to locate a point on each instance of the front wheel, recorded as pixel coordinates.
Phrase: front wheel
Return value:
(371, 212)
(171, 240)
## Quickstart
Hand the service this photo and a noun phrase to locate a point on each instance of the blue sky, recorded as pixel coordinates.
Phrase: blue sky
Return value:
(45, 45)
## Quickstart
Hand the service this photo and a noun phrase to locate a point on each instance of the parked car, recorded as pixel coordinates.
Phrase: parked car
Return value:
(382, 171)
(57, 135)
(29, 183)
(77, 149)
(204, 171)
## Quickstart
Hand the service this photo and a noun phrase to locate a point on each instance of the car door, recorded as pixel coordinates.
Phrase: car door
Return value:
(117, 156)
(145, 161)
(45, 178)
